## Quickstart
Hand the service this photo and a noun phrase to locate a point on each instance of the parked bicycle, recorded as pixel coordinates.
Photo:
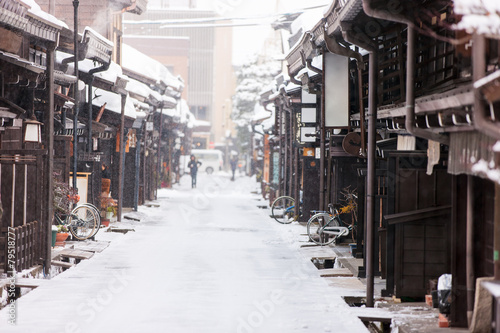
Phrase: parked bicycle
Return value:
(283, 210)
(97, 214)
(81, 222)
(324, 228)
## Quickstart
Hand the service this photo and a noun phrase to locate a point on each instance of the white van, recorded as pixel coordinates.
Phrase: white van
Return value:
(211, 160)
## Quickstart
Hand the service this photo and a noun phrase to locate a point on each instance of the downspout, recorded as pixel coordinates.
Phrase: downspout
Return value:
(292, 78)
(137, 168)
(91, 73)
(371, 162)
(286, 163)
(158, 156)
(76, 96)
(322, 142)
(410, 123)
(322, 145)
(334, 47)
(349, 37)
(469, 262)
(280, 133)
(121, 169)
(370, 195)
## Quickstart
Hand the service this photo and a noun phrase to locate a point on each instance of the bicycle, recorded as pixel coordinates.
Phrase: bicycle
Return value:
(283, 210)
(81, 221)
(324, 228)
(97, 214)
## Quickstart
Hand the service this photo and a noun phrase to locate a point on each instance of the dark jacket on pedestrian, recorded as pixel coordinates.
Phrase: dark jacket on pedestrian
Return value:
(193, 166)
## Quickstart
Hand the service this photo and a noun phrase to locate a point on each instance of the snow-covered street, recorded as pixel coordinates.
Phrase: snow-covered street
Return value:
(205, 260)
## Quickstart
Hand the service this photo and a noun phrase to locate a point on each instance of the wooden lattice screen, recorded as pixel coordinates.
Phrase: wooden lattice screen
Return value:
(23, 200)
(26, 250)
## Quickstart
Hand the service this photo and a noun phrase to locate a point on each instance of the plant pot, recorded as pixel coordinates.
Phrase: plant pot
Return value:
(105, 222)
(109, 215)
(61, 238)
(54, 235)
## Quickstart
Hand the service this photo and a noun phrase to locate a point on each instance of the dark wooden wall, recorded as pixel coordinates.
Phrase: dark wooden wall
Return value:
(484, 192)
(418, 220)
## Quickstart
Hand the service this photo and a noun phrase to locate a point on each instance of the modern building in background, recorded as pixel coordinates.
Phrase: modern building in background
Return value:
(204, 52)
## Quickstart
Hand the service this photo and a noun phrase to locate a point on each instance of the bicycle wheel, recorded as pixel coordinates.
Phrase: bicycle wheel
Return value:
(315, 227)
(82, 222)
(98, 216)
(283, 210)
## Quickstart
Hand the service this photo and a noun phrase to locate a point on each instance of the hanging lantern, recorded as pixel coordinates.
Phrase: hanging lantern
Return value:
(32, 130)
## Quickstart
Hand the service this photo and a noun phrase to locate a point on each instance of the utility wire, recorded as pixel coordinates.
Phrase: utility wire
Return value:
(216, 19)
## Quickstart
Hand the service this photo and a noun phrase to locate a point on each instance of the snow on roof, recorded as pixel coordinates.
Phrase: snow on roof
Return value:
(316, 62)
(139, 105)
(140, 63)
(111, 74)
(186, 116)
(200, 123)
(138, 88)
(171, 112)
(167, 100)
(113, 102)
(262, 116)
(308, 20)
(482, 17)
(35, 10)
(86, 65)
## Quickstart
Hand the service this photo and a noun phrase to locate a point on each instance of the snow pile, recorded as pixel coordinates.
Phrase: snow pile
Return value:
(496, 147)
(482, 17)
(487, 169)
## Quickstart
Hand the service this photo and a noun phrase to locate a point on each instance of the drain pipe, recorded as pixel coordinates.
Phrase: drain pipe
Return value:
(368, 45)
(410, 123)
(292, 78)
(90, 83)
(322, 144)
(371, 163)
(334, 47)
(469, 261)
(287, 107)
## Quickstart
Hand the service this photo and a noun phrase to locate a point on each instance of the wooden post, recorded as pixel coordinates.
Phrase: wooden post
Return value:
(49, 181)
(158, 155)
(370, 195)
(496, 244)
(322, 143)
(280, 112)
(137, 168)
(76, 96)
(122, 158)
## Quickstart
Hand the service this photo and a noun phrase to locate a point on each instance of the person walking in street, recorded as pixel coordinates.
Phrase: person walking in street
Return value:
(234, 164)
(193, 167)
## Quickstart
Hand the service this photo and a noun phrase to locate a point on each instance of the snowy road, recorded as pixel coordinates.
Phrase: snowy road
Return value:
(206, 260)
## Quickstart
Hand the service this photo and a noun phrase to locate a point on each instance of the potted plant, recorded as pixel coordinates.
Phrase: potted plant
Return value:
(108, 209)
(62, 235)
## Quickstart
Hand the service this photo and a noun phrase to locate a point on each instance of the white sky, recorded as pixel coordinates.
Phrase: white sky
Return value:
(248, 40)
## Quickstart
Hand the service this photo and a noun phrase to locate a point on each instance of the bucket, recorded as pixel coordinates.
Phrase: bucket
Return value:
(352, 248)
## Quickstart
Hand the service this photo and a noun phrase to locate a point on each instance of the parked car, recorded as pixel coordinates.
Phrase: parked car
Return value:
(211, 160)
